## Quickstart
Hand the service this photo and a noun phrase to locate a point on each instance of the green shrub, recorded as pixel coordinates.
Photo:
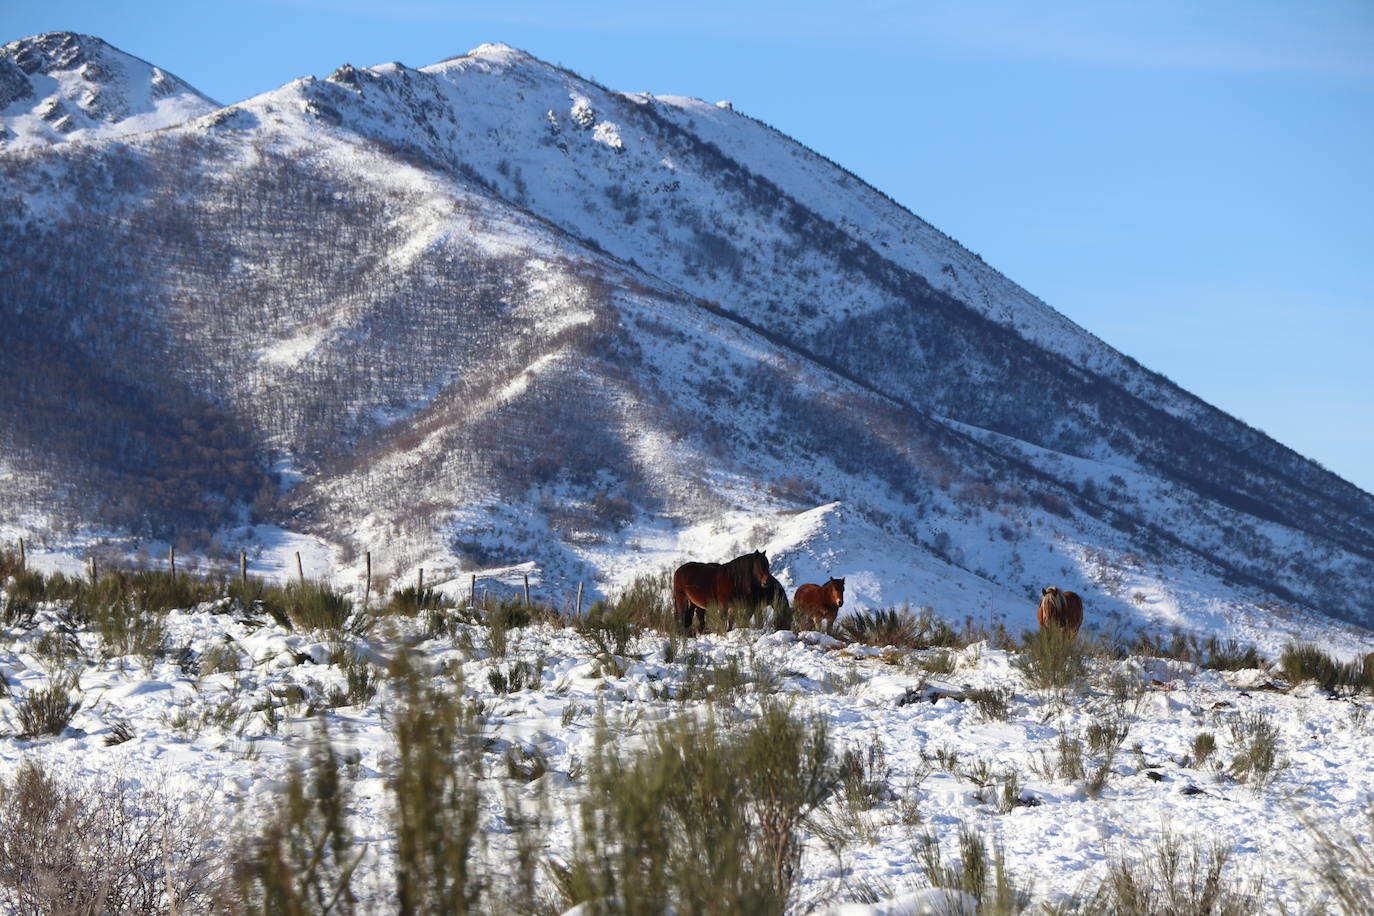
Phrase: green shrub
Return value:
(304, 860)
(994, 703)
(897, 627)
(1256, 741)
(308, 605)
(48, 710)
(740, 797)
(1204, 745)
(126, 631)
(437, 800)
(609, 629)
(1230, 655)
(1051, 658)
(501, 618)
(60, 587)
(157, 591)
(29, 585)
(1305, 662)
(1173, 879)
(981, 875)
(646, 603)
(412, 599)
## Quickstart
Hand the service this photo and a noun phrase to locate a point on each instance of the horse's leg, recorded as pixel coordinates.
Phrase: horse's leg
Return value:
(682, 606)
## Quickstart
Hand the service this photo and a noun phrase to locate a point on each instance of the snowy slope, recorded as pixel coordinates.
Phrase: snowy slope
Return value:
(224, 735)
(65, 86)
(488, 316)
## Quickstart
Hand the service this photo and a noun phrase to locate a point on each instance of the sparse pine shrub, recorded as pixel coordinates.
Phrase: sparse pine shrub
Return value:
(994, 703)
(48, 710)
(120, 731)
(308, 605)
(1051, 658)
(647, 603)
(1229, 655)
(61, 588)
(1345, 866)
(305, 858)
(897, 627)
(1104, 737)
(157, 591)
(29, 585)
(1204, 745)
(220, 658)
(703, 821)
(22, 597)
(1173, 879)
(126, 631)
(19, 612)
(608, 629)
(514, 679)
(412, 599)
(940, 661)
(55, 649)
(1305, 662)
(1256, 741)
(981, 876)
(9, 564)
(503, 617)
(863, 784)
(437, 799)
(1066, 760)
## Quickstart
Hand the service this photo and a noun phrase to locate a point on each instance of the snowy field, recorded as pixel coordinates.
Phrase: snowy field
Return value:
(232, 701)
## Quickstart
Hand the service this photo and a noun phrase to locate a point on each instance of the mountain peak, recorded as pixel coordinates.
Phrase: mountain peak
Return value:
(68, 86)
(497, 50)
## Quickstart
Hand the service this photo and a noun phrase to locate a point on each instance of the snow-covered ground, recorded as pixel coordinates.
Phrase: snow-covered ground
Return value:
(233, 734)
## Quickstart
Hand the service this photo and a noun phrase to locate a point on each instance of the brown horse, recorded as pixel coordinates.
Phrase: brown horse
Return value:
(1062, 609)
(697, 586)
(821, 602)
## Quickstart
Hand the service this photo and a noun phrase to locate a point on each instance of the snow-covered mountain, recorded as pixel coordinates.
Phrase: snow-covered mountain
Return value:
(489, 313)
(64, 86)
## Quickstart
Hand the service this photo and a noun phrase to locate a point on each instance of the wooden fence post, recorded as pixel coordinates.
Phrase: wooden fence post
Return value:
(22, 558)
(578, 613)
(243, 566)
(527, 589)
(420, 584)
(472, 592)
(300, 570)
(93, 569)
(367, 587)
(172, 560)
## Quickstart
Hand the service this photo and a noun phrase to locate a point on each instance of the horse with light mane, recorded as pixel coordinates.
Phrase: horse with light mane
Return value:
(697, 586)
(1061, 609)
(821, 602)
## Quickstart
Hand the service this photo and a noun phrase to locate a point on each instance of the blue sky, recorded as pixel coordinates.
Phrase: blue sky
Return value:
(1192, 182)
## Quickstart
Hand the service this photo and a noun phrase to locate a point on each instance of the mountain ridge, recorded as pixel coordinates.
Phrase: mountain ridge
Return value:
(492, 311)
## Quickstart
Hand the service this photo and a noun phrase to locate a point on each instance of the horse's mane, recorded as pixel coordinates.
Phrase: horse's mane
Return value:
(740, 570)
(1056, 600)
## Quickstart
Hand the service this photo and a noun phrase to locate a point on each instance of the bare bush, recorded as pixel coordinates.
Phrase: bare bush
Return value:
(102, 847)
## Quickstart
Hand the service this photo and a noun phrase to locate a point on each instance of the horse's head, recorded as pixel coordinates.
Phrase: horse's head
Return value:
(1049, 590)
(836, 587)
(760, 567)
